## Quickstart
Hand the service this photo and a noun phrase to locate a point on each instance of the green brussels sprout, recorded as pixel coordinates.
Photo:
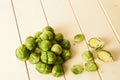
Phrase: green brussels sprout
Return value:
(45, 45)
(22, 53)
(37, 34)
(90, 66)
(53, 42)
(57, 70)
(48, 28)
(30, 43)
(59, 37)
(96, 43)
(46, 35)
(57, 49)
(105, 56)
(59, 60)
(77, 69)
(79, 38)
(65, 44)
(87, 56)
(37, 50)
(48, 57)
(34, 58)
(38, 40)
(66, 54)
(43, 68)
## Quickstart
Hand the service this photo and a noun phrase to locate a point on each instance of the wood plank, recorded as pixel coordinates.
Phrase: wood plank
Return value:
(60, 16)
(94, 23)
(31, 19)
(10, 67)
(112, 10)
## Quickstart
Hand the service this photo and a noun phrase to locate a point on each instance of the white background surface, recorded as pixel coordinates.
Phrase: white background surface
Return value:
(98, 18)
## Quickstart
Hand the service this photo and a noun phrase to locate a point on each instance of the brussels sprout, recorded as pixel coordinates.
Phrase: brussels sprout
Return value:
(34, 58)
(66, 54)
(96, 43)
(77, 69)
(87, 56)
(30, 43)
(105, 56)
(46, 35)
(57, 49)
(91, 66)
(45, 45)
(65, 44)
(57, 70)
(48, 57)
(37, 34)
(53, 42)
(38, 40)
(37, 50)
(22, 53)
(43, 68)
(79, 38)
(59, 60)
(59, 37)
(48, 28)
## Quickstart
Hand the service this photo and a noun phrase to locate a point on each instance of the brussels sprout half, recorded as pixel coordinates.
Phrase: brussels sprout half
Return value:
(87, 56)
(79, 38)
(22, 53)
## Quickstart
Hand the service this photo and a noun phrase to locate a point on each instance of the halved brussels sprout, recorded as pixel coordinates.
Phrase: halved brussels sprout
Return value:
(77, 69)
(66, 54)
(87, 55)
(22, 53)
(96, 43)
(59, 37)
(34, 58)
(105, 56)
(43, 68)
(48, 57)
(79, 38)
(45, 45)
(30, 43)
(57, 70)
(91, 66)
(46, 35)
(57, 49)
(65, 44)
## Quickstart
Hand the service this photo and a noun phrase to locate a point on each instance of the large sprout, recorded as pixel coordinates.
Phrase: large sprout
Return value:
(22, 53)
(30, 43)
(48, 57)
(57, 70)
(43, 68)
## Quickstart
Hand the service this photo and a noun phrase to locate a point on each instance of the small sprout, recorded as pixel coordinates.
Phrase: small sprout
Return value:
(65, 44)
(77, 69)
(57, 70)
(96, 43)
(46, 35)
(105, 56)
(43, 68)
(59, 37)
(59, 60)
(87, 56)
(57, 49)
(91, 66)
(66, 54)
(37, 50)
(45, 45)
(34, 58)
(79, 38)
(48, 57)
(48, 28)
(37, 34)
(22, 53)
(30, 43)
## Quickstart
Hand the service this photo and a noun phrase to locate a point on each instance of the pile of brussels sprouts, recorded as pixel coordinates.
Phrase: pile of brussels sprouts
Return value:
(47, 50)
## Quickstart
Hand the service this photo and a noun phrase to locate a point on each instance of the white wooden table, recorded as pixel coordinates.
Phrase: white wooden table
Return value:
(21, 18)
